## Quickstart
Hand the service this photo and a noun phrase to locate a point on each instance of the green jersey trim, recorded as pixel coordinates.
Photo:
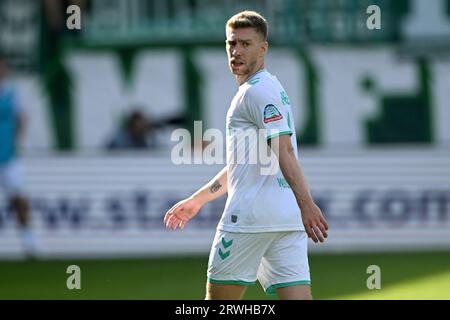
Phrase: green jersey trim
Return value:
(279, 134)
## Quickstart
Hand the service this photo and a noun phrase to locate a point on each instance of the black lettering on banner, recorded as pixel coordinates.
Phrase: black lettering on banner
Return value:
(141, 205)
(72, 213)
(439, 198)
(116, 212)
(142, 208)
(396, 207)
(360, 207)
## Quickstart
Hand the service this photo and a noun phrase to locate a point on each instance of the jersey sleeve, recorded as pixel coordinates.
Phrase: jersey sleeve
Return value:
(267, 112)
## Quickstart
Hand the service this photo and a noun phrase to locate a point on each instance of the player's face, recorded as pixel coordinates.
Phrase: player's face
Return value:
(245, 50)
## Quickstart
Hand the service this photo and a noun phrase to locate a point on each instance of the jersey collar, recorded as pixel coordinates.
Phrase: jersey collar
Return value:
(253, 75)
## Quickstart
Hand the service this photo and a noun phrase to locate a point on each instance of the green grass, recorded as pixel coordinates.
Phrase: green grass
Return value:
(403, 276)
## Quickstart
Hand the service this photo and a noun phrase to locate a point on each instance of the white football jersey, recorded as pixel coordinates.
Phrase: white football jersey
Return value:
(258, 200)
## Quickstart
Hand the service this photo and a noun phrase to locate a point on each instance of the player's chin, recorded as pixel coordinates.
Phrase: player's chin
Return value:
(239, 71)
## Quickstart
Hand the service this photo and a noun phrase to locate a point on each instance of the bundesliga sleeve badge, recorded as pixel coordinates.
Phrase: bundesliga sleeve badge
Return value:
(271, 114)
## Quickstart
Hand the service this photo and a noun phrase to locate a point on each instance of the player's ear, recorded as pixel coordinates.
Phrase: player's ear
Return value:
(264, 47)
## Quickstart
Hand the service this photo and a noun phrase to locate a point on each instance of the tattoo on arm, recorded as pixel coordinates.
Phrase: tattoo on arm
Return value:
(215, 186)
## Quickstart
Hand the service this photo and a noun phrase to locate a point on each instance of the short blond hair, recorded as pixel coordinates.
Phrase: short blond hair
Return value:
(249, 19)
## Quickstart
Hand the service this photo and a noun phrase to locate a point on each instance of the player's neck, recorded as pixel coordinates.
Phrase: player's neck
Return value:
(242, 79)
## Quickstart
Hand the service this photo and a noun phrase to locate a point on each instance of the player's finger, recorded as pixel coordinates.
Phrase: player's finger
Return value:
(174, 223)
(182, 223)
(175, 207)
(169, 217)
(318, 234)
(308, 230)
(174, 211)
(310, 233)
(171, 221)
(170, 212)
(324, 222)
(323, 228)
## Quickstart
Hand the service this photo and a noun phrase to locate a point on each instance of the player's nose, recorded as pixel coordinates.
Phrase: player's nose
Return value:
(235, 53)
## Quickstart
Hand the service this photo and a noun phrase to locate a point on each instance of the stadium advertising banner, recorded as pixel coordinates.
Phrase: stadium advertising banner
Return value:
(107, 205)
(341, 95)
(373, 139)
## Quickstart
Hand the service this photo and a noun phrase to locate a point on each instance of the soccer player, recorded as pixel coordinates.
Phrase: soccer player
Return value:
(12, 122)
(268, 218)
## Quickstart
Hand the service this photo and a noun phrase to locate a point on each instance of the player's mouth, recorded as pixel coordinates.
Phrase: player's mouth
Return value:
(236, 64)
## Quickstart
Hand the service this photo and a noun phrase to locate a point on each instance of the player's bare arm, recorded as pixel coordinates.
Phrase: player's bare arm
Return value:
(186, 209)
(315, 224)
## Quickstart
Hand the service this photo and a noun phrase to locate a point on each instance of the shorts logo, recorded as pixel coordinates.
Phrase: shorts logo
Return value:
(226, 244)
(271, 114)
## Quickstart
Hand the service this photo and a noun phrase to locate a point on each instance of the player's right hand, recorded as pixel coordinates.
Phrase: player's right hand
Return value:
(316, 225)
(181, 213)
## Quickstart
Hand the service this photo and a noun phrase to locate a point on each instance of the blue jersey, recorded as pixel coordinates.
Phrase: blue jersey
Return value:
(8, 122)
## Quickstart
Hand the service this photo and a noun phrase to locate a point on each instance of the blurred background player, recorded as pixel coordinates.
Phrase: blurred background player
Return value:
(12, 125)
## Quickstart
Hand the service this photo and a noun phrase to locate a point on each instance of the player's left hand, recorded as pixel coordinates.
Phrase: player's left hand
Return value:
(315, 224)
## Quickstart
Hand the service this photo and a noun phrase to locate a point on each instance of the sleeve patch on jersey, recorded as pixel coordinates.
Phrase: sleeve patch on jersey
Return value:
(271, 114)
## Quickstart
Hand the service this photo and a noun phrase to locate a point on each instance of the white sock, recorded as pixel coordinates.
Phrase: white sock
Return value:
(29, 240)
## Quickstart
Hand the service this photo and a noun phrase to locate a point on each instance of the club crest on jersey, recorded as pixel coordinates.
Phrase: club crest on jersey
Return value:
(271, 114)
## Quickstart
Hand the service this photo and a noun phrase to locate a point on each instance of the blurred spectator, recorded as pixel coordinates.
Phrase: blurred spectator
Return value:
(12, 123)
(135, 133)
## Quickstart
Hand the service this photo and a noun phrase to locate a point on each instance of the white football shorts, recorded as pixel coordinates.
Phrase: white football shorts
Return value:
(276, 259)
(11, 178)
